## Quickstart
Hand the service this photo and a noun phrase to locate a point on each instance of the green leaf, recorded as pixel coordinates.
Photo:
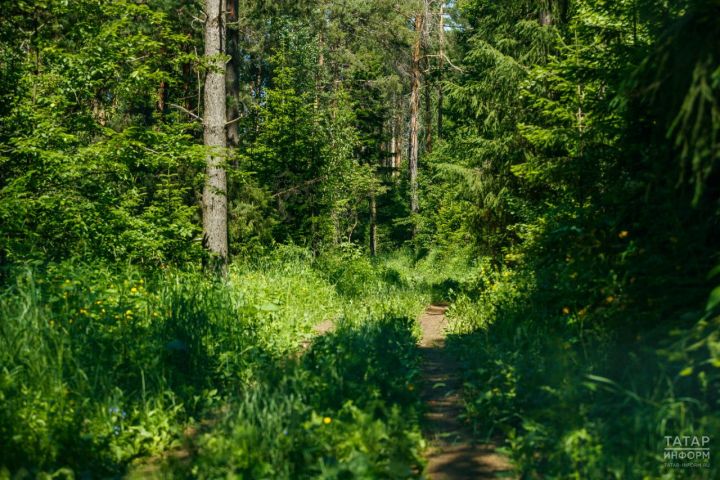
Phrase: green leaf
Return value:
(714, 299)
(686, 372)
(714, 272)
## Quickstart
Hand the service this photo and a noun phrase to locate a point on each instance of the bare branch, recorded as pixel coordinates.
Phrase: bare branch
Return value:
(186, 111)
(444, 57)
(299, 187)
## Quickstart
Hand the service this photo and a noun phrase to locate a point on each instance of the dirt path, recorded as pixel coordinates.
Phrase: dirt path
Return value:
(451, 453)
(320, 329)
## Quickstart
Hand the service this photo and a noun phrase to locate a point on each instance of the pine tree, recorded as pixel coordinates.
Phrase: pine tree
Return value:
(215, 117)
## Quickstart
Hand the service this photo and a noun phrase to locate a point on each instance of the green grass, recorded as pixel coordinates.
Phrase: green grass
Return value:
(344, 410)
(102, 370)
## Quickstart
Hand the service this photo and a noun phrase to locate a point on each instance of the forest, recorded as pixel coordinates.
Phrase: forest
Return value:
(359, 239)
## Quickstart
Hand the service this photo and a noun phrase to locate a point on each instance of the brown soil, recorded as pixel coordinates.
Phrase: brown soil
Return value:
(323, 327)
(320, 329)
(451, 453)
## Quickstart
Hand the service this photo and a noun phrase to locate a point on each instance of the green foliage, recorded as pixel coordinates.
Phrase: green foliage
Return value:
(90, 164)
(552, 379)
(590, 195)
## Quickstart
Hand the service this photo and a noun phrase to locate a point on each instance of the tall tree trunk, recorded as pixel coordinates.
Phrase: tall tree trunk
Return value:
(414, 111)
(397, 137)
(428, 117)
(373, 224)
(320, 74)
(215, 229)
(231, 77)
(161, 97)
(441, 65)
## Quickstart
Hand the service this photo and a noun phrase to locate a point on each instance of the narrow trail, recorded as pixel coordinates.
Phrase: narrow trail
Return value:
(451, 454)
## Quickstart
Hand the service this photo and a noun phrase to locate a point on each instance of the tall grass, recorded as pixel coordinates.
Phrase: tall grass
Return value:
(104, 367)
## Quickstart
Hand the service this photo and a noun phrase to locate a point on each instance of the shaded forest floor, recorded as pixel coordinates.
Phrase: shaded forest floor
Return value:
(452, 451)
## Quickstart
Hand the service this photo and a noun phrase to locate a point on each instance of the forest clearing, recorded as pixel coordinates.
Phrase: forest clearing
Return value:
(359, 239)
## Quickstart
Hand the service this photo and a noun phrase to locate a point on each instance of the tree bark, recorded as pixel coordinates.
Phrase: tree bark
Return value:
(546, 18)
(441, 65)
(319, 75)
(428, 118)
(414, 110)
(397, 137)
(231, 77)
(373, 224)
(215, 231)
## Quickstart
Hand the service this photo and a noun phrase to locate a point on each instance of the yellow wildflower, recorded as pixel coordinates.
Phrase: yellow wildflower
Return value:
(133, 290)
(327, 420)
(411, 387)
(565, 310)
(624, 234)
(610, 299)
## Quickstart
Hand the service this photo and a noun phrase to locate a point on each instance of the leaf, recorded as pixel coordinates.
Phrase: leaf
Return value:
(599, 379)
(714, 272)
(686, 372)
(714, 299)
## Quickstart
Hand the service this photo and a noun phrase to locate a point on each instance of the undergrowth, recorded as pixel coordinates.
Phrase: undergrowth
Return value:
(104, 371)
(582, 379)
